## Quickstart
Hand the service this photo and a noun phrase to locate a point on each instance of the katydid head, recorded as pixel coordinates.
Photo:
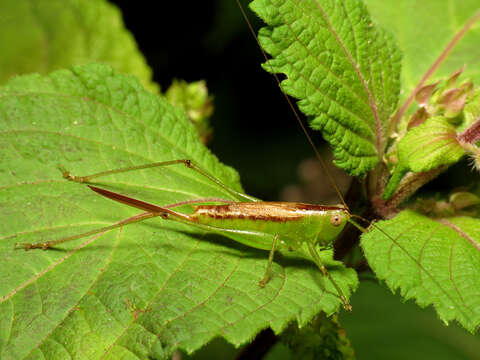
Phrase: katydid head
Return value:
(340, 217)
(335, 221)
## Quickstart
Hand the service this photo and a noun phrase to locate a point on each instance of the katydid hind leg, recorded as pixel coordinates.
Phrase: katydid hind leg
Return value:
(188, 163)
(151, 212)
(44, 245)
(268, 272)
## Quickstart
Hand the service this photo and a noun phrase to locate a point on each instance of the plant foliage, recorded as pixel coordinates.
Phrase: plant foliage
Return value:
(145, 290)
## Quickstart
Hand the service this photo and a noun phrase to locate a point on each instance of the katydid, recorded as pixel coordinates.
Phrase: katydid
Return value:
(273, 226)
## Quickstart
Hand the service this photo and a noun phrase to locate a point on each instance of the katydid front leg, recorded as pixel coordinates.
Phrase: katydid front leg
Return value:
(324, 271)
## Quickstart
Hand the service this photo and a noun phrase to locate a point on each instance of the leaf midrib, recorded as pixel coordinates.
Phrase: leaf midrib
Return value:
(371, 101)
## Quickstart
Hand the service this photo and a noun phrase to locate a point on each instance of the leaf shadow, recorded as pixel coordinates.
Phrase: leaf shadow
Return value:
(227, 247)
(285, 260)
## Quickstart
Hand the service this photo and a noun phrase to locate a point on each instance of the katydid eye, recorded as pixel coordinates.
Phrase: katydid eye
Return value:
(336, 220)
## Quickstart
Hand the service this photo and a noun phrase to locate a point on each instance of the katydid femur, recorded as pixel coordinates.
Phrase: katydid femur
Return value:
(273, 226)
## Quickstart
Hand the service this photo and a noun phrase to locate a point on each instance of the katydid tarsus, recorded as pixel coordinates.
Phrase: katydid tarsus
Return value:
(271, 226)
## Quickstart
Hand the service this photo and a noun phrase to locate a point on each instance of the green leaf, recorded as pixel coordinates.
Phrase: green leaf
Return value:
(42, 36)
(424, 29)
(426, 147)
(146, 289)
(434, 262)
(343, 69)
(430, 145)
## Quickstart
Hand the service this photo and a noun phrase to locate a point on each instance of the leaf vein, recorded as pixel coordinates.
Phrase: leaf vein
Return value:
(326, 95)
(317, 60)
(461, 233)
(450, 274)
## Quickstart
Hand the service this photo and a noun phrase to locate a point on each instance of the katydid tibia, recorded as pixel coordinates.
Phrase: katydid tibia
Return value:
(273, 226)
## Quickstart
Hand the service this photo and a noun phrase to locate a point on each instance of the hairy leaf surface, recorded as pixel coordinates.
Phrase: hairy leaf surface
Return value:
(343, 70)
(426, 147)
(143, 290)
(433, 262)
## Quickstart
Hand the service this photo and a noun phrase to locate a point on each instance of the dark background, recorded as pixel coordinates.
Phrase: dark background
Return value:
(254, 129)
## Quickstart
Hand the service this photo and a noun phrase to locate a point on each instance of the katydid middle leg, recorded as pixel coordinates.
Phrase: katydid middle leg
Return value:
(268, 271)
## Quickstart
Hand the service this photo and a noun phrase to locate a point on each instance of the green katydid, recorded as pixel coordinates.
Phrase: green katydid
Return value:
(273, 226)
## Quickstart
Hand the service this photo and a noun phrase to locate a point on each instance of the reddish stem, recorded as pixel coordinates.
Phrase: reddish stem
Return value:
(472, 134)
(409, 185)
